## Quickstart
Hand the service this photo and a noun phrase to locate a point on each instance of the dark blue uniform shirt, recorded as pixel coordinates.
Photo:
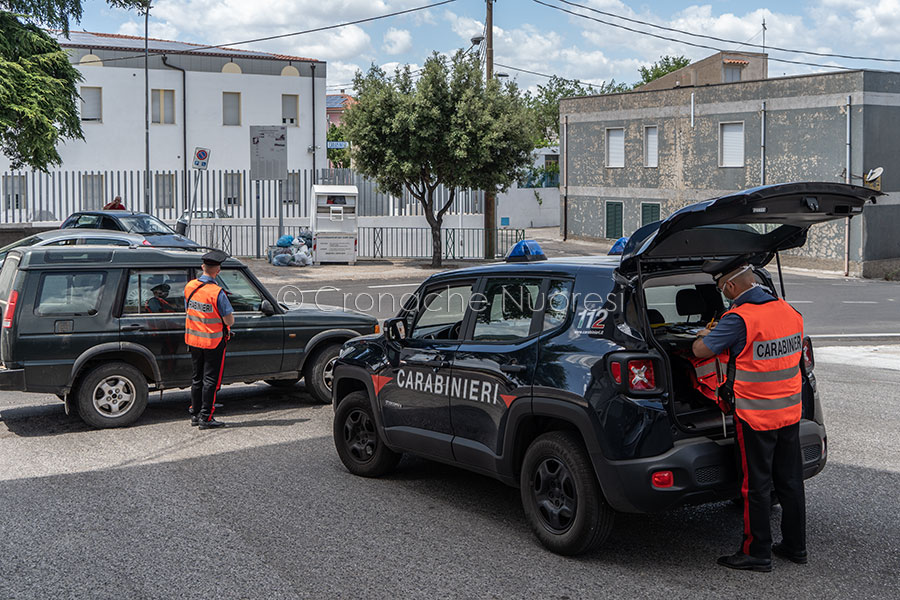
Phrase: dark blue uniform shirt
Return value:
(222, 302)
(731, 332)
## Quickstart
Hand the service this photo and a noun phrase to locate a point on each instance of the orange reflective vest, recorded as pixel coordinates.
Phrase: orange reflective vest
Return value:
(767, 382)
(203, 325)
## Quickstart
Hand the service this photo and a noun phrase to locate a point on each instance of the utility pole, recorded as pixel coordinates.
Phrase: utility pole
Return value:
(147, 109)
(490, 208)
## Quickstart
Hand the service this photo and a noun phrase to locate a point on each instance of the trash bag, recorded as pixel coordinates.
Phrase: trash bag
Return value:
(285, 241)
(282, 260)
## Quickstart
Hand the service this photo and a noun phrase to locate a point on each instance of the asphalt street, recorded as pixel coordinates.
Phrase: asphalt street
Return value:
(836, 310)
(264, 509)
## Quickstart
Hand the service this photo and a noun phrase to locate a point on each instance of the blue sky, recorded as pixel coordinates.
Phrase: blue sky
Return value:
(527, 35)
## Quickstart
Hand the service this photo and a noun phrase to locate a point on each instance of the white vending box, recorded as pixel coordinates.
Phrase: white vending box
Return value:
(334, 226)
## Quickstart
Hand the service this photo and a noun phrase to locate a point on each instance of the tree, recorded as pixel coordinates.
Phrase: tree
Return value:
(665, 65)
(544, 104)
(449, 127)
(339, 157)
(38, 85)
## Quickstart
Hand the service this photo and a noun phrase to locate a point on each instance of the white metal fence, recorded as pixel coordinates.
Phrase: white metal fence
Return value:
(36, 197)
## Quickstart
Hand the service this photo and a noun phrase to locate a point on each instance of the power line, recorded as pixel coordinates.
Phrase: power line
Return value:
(585, 83)
(685, 42)
(284, 35)
(723, 40)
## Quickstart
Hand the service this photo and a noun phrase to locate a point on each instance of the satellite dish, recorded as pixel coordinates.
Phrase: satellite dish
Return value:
(874, 174)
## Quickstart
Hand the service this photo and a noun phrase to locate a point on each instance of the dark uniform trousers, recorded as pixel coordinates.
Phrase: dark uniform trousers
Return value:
(767, 458)
(207, 378)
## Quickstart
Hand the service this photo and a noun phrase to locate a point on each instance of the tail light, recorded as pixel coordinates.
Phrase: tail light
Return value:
(615, 369)
(641, 377)
(146, 243)
(809, 361)
(10, 313)
(662, 479)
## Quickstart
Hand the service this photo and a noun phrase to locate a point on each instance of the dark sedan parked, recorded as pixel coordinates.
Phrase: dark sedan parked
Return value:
(154, 230)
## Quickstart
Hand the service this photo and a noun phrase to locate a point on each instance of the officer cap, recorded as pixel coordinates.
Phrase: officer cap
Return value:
(162, 287)
(214, 258)
(719, 268)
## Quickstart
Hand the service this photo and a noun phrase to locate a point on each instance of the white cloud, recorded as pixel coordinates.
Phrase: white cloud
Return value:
(156, 29)
(397, 41)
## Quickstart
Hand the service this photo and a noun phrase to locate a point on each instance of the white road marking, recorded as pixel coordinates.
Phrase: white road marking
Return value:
(393, 285)
(859, 302)
(324, 290)
(881, 357)
(800, 301)
(854, 335)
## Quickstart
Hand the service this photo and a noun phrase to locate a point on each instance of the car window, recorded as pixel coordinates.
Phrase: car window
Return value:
(87, 222)
(74, 294)
(7, 274)
(559, 303)
(243, 295)
(144, 225)
(441, 312)
(109, 223)
(509, 310)
(69, 242)
(105, 242)
(24, 242)
(155, 292)
(683, 303)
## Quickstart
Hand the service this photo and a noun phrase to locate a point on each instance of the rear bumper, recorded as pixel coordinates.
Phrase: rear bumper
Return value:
(12, 380)
(704, 470)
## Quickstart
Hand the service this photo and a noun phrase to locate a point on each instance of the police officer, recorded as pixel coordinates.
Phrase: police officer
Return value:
(209, 317)
(763, 338)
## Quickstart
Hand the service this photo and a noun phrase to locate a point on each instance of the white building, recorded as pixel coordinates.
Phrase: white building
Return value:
(200, 96)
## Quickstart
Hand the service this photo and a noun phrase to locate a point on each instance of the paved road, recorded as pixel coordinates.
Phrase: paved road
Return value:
(264, 509)
(835, 309)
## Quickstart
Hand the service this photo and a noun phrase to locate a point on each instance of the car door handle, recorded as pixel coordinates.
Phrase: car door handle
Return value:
(513, 368)
(132, 327)
(436, 363)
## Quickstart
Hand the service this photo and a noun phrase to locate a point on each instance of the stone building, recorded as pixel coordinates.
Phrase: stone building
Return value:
(631, 158)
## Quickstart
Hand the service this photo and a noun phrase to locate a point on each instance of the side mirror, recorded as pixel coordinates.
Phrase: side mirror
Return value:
(266, 308)
(395, 329)
(181, 227)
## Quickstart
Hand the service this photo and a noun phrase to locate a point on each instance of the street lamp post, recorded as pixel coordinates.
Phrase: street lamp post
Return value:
(146, 108)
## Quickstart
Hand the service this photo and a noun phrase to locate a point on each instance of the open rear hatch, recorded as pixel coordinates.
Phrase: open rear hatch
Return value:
(755, 223)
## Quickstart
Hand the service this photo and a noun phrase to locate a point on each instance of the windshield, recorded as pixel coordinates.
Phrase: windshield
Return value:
(29, 241)
(145, 225)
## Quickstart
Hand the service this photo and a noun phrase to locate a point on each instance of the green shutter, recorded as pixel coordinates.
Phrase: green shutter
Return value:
(613, 220)
(649, 213)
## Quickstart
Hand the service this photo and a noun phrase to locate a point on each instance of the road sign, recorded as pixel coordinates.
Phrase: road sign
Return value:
(201, 158)
(268, 152)
(336, 145)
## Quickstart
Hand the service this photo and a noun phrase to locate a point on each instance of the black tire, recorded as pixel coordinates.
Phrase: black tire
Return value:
(317, 370)
(357, 441)
(561, 496)
(282, 383)
(111, 395)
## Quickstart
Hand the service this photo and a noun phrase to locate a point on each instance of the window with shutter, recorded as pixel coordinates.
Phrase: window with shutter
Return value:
(649, 213)
(231, 108)
(162, 106)
(615, 147)
(15, 192)
(614, 220)
(289, 104)
(731, 144)
(732, 74)
(91, 104)
(231, 188)
(651, 146)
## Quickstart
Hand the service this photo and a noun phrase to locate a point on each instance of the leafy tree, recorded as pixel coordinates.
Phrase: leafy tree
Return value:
(339, 157)
(448, 127)
(544, 104)
(38, 86)
(665, 65)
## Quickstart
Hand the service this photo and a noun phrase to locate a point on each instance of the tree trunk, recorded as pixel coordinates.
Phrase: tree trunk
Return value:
(434, 221)
(436, 248)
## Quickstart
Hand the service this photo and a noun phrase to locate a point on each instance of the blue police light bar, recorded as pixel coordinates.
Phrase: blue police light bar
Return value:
(619, 246)
(525, 251)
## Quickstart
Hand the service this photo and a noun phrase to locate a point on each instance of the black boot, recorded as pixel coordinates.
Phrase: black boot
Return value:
(211, 424)
(743, 562)
(801, 557)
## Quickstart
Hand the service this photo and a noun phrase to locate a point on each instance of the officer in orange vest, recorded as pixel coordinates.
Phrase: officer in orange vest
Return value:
(764, 337)
(207, 328)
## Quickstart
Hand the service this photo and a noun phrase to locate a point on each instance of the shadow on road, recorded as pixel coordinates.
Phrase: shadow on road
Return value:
(237, 400)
